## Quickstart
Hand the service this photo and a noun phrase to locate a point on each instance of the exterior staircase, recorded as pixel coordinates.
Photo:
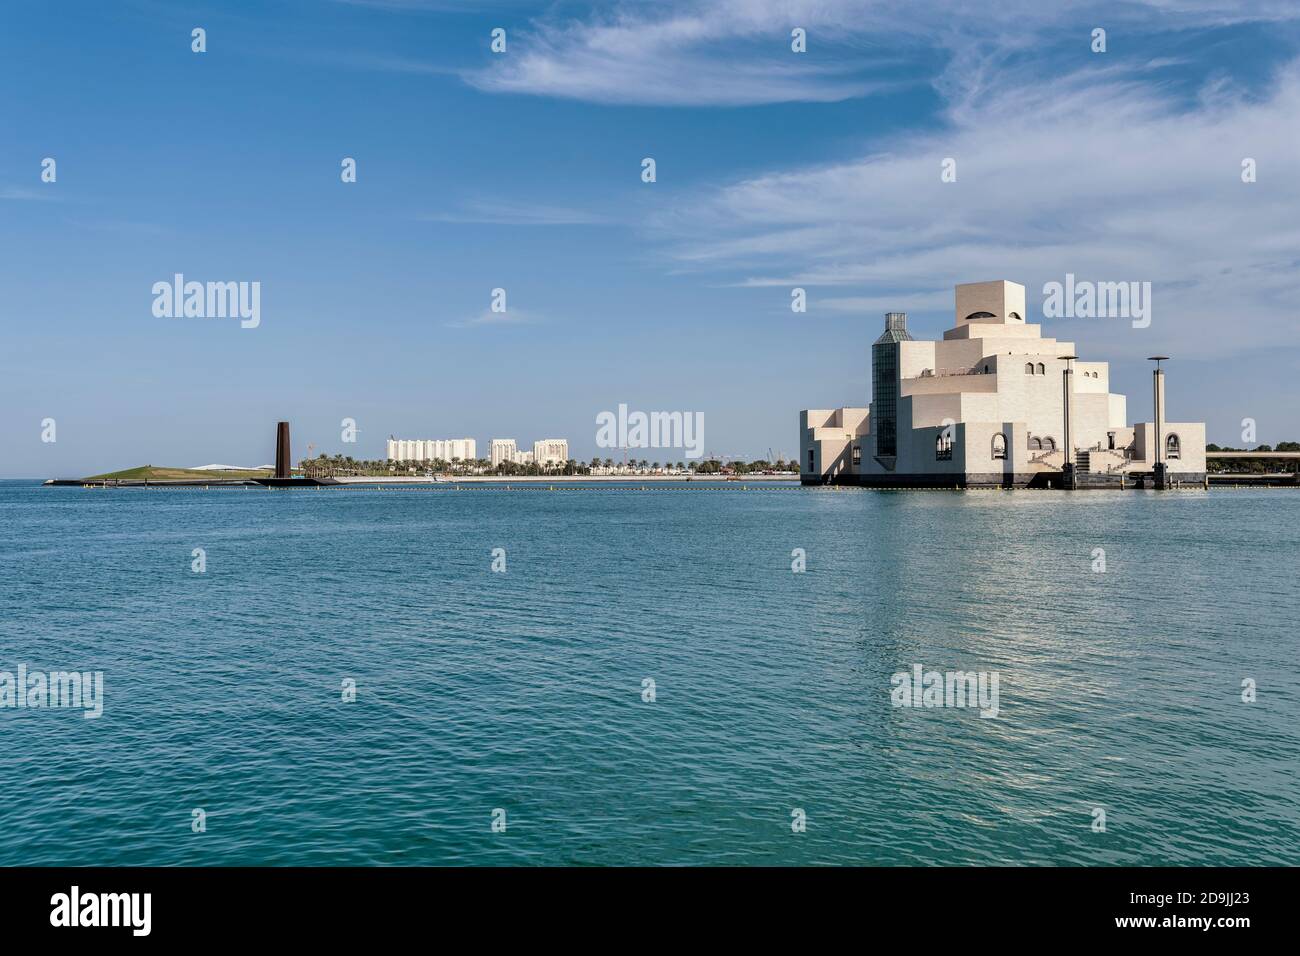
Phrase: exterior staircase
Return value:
(1106, 476)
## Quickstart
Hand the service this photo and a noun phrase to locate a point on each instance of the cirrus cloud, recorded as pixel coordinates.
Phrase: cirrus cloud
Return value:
(1096, 174)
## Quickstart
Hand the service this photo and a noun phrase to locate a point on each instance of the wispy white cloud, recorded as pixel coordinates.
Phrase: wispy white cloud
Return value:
(488, 317)
(737, 52)
(876, 304)
(1105, 177)
(720, 53)
(24, 194)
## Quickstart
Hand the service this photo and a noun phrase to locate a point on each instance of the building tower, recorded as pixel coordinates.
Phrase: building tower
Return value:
(283, 467)
(884, 387)
(1159, 475)
(1069, 478)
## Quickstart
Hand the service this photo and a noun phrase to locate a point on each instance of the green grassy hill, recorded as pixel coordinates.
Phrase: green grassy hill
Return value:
(162, 473)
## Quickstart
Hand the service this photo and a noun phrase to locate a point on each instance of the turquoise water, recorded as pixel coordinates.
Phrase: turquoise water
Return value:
(523, 691)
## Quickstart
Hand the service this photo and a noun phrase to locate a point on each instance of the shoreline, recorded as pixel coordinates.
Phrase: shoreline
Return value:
(1223, 481)
(554, 479)
(413, 480)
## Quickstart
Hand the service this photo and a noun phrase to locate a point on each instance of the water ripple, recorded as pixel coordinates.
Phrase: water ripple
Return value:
(522, 691)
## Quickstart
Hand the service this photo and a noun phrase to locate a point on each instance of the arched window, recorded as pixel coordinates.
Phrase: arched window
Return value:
(1035, 444)
(1029, 368)
(980, 315)
(999, 447)
(986, 369)
(1015, 316)
(942, 448)
(1173, 448)
(1049, 444)
(1042, 369)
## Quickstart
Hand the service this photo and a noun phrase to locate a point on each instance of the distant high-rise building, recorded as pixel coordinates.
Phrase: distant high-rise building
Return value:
(503, 450)
(446, 449)
(551, 451)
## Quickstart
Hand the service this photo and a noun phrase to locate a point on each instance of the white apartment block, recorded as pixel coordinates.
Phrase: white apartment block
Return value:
(503, 450)
(551, 451)
(993, 403)
(548, 451)
(447, 449)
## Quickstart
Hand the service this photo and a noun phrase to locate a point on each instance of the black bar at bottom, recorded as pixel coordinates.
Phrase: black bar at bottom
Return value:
(335, 906)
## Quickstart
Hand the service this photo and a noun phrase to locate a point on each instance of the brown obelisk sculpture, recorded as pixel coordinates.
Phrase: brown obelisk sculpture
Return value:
(282, 466)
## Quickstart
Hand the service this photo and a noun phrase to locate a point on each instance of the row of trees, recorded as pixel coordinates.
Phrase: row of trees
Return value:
(345, 466)
(1252, 466)
(325, 466)
(712, 466)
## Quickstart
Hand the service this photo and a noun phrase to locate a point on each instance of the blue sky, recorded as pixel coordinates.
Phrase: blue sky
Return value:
(522, 171)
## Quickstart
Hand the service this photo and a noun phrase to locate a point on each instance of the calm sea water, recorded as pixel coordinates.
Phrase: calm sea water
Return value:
(523, 691)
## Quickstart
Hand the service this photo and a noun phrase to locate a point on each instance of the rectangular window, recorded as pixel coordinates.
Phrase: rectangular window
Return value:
(857, 454)
(884, 398)
(812, 461)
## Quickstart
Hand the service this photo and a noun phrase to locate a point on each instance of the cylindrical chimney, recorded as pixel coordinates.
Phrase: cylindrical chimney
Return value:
(283, 466)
